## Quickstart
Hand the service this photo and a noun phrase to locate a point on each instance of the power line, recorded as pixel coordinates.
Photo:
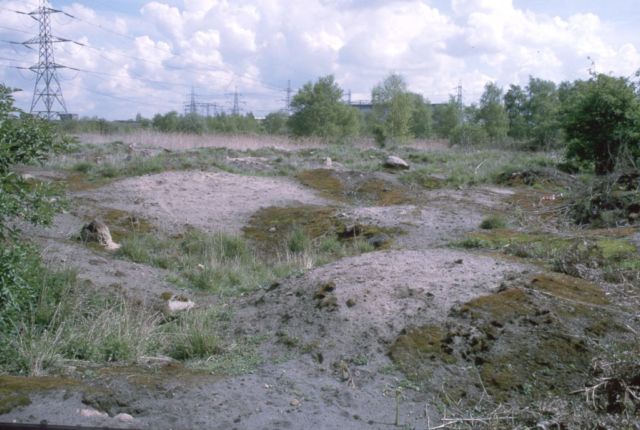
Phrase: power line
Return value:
(207, 67)
(102, 53)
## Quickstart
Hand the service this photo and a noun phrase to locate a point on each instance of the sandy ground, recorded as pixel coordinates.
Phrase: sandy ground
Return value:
(207, 201)
(376, 296)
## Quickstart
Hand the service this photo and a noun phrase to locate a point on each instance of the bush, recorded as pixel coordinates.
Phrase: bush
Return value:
(319, 111)
(602, 122)
(469, 134)
(23, 139)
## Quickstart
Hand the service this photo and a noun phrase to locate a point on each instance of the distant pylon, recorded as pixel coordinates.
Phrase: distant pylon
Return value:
(236, 103)
(288, 99)
(193, 109)
(47, 91)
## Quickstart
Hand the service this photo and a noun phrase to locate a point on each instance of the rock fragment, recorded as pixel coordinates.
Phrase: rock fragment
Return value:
(98, 232)
(394, 162)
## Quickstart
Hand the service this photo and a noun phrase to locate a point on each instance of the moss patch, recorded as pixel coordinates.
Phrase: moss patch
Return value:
(525, 345)
(568, 287)
(500, 307)
(550, 363)
(123, 224)
(609, 250)
(355, 187)
(379, 192)
(80, 181)
(272, 226)
(324, 181)
(151, 377)
(15, 390)
(417, 350)
(423, 179)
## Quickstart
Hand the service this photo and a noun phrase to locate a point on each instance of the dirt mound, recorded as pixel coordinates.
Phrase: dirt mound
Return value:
(357, 306)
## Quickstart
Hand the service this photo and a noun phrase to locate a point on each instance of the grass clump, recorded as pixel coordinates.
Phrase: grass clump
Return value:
(493, 222)
(194, 336)
(217, 263)
(67, 320)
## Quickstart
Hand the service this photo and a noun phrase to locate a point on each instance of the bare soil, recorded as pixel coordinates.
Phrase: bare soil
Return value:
(334, 351)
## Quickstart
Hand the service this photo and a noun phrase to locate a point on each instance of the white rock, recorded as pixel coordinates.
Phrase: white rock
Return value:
(125, 418)
(92, 413)
(328, 163)
(178, 304)
(394, 162)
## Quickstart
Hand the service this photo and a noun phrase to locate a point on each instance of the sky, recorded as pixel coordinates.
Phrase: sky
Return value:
(147, 57)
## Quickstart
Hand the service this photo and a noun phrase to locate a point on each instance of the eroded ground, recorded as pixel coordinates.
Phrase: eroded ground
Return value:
(428, 318)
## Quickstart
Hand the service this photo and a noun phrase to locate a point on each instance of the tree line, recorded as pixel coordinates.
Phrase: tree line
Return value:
(595, 119)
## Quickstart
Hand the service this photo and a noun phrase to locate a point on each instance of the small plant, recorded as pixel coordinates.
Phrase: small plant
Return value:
(193, 336)
(298, 241)
(493, 222)
(472, 243)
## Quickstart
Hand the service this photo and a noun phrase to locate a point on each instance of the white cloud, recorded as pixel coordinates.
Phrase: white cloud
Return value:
(257, 45)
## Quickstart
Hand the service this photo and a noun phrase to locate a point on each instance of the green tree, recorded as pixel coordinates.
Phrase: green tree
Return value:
(23, 139)
(446, 117)
(167, 123)
(543, 109)
(275, 123)
(601, 119)
(393, 108)
(421, 123)
(318, 110)
(515, 104)
(491, 114)
(534, 113)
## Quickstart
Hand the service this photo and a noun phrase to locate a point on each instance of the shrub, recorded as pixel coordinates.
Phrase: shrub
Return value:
(23, 139)
(602, 122)
(493, 222)
(469, 134)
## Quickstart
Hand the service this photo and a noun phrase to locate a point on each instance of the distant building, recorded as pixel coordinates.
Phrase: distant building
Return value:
(366, 106)
(363, 106)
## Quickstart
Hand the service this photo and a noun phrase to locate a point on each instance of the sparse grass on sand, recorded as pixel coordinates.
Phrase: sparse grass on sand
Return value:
(226, 265)
(431, 166)
(71, 321)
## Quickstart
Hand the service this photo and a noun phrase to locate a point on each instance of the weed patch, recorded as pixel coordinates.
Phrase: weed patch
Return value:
(565, 254)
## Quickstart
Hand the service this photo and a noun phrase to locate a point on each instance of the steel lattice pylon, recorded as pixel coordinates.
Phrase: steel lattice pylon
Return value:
(47, 92)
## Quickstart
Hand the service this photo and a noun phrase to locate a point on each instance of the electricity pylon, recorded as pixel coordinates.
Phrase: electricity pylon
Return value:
(47, 91)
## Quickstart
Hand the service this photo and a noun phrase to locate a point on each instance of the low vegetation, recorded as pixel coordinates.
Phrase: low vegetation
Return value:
(575, 210)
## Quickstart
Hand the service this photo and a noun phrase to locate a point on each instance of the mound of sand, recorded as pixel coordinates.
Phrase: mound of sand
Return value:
(357, 306)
